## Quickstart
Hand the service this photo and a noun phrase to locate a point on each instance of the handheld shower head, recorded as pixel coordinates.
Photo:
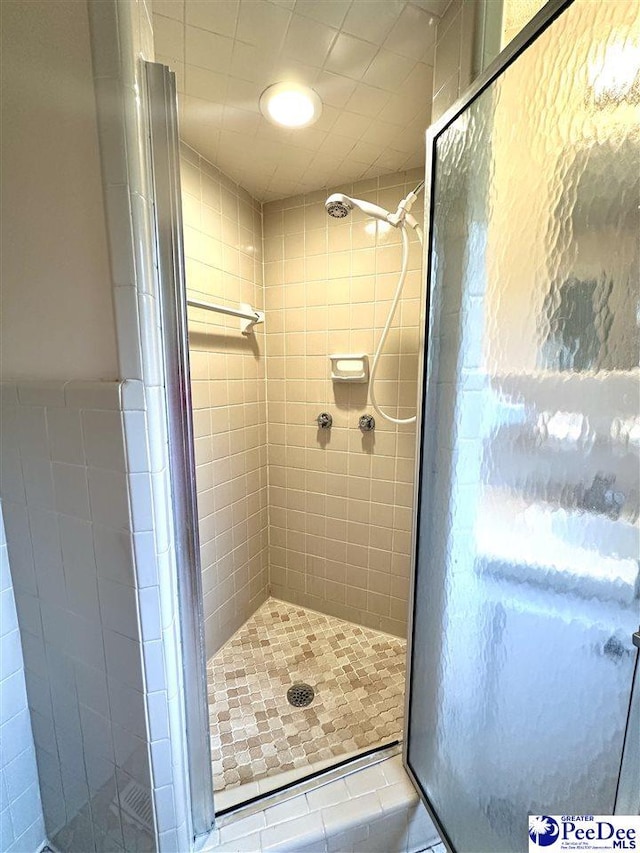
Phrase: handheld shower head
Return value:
(339, 205)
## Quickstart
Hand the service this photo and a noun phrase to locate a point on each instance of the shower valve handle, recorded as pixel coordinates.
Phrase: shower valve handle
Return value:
(367, 423)
(324, 420)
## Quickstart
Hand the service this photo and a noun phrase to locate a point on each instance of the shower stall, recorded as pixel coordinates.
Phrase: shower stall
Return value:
(302, 527)
(310, 540)
(297, 535)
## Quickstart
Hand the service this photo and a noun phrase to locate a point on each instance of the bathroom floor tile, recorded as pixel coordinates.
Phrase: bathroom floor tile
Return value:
(357, 675)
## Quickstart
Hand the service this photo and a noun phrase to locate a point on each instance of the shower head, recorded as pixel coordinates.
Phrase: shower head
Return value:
(339, 205)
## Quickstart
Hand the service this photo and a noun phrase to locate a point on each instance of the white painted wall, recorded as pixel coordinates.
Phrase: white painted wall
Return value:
(21, 821)
(57, 315)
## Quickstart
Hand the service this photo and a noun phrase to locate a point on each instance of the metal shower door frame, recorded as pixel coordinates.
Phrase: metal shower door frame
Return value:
(165, 166)
(628, 793)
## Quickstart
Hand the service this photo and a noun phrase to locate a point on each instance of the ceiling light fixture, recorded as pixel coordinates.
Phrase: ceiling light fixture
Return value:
(290, 105)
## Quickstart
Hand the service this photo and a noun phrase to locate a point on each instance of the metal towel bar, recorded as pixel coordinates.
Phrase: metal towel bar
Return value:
(248, 315)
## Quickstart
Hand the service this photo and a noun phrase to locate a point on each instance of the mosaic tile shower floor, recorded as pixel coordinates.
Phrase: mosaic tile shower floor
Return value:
(357, 675)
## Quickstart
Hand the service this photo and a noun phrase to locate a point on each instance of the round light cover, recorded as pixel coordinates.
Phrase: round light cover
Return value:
(290, 105)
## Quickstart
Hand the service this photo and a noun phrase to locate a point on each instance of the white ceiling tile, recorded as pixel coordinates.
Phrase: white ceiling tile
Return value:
(240, 121)
(243, 94)
(337, 146)
(218, 17)
(235, 145)
(299, 158)
(293, 71)
(414, 34)
(168, 36)
(308, 41)
(351, 125)
(277, 138)
(327, 118)
(330, 12)
(324, 160)
(227, 53)
(388, 70)
(415, 161)
(399, 111)
(350, 56)
(307, 184)
(197, 110)
(334, 89)
(262, 24)
(249, 62)
(420, 122)
(365, 152)
(350, 170)
(199, 123)
(434, 7)
(419, 84)
(263, 168)
(390, 160)
(367, 100)
(372, 20)
(372, 172)
(280, 183)
(208, 50)
(204, 84)
(382, 134)
(309, 137)
(169, 8)
(408, 141)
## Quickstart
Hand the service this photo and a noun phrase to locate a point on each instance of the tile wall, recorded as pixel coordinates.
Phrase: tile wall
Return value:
(340, 501)
(223, 251)
(121, 40)
(469, 36)
(69, 518)
(458, 54)
(516, 14)
(21, 819)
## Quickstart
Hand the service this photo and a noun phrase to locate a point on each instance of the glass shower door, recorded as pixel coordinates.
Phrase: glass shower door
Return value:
(527, 583)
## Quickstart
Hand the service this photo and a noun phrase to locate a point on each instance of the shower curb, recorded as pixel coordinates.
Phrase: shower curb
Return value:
(375, 804)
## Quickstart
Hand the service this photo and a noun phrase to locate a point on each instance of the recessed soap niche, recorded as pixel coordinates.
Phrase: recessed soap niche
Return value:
(350, 367)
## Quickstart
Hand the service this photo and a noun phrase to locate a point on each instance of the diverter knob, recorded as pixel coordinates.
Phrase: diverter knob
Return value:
(324, 420)
(367, 423)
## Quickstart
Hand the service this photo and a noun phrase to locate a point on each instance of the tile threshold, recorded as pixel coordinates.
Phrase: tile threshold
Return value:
(369, 801)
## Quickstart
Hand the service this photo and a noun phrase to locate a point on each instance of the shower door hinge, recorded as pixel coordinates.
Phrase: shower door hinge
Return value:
(636, 639)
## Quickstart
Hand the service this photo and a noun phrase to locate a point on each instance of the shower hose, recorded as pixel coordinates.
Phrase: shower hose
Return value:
(387, 326)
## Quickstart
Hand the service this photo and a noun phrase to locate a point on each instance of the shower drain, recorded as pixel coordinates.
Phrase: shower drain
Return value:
(300, 695)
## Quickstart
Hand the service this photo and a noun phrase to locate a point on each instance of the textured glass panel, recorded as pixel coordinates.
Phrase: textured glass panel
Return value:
(527, 584)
